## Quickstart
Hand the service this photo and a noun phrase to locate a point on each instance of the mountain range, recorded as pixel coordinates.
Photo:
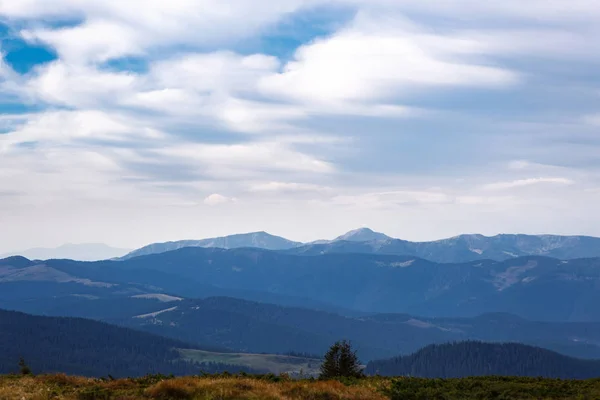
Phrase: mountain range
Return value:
(460, 248)
(342, 283)
(313, 299)
(384, 294)
(466, 247)
(364, 240)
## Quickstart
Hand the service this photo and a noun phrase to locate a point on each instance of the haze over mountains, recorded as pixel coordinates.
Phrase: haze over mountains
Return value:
(460, 248)
(81, 252)
(258, 327)
(262, 240)
(525, 286)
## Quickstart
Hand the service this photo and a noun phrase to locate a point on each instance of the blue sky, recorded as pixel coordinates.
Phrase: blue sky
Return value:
(128, 122)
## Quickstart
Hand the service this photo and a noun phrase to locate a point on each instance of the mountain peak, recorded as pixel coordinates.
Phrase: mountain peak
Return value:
(362, 235)
(260, 239)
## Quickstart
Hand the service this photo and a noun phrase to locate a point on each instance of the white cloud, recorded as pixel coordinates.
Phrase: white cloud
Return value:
(519, 164)
(115, 28)
(256, 117)
(527, 182)
(556, 11)
(243, 161)
(376, 59)
(550, 43)
(93, 41)
(289, 187)
(393, 199)
(218, 71)
(63, 127)
(61, 83)
(446, 198)
(592, 119)
(215, 199)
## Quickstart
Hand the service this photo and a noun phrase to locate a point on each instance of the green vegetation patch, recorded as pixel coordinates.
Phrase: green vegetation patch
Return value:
(273, 363)
(505, 388)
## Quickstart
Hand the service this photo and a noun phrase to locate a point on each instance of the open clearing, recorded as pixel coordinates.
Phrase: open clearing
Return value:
(274, 363)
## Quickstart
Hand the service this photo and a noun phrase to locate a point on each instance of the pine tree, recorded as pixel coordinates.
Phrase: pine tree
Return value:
(330, 368)
(340, 361)
(349, 365)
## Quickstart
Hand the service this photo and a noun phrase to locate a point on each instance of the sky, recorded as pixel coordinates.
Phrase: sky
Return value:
(131, 122)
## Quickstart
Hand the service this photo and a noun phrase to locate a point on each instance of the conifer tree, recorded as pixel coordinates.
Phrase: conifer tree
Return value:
(349, 365)
(330, 368)
(340, 361)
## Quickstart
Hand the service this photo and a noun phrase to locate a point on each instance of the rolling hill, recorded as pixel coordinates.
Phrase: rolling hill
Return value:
(266, 328)
(85, 347)
(467, 359)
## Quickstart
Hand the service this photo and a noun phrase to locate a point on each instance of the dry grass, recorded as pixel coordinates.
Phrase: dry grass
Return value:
(246, 388)
(62, 387)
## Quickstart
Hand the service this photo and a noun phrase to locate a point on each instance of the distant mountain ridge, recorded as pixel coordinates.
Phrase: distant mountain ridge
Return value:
(462, 248)
(471, 358)
(81, 252)
(262, 240)
(465, 248)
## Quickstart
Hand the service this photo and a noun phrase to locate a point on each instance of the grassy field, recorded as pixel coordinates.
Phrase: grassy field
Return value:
(276, 364)
(62, 387)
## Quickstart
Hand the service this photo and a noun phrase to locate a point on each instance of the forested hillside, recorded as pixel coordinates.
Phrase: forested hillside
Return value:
(258, 327)
(455, 360)
(368, 283)
(90, 348)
